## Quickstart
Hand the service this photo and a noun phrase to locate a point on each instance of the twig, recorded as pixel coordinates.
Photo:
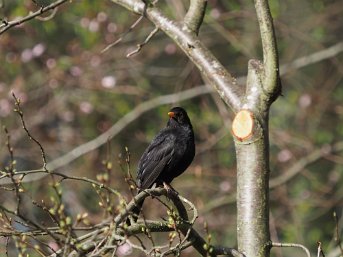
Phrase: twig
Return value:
(275, 244)
(21, 114)
(303, 162)
(11, 170)
(123, 35)
(320, 251)
(6, 25)
(140, 46)
(315, 57)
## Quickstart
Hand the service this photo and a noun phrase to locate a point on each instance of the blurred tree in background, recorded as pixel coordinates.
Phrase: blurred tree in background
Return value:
(74, 85)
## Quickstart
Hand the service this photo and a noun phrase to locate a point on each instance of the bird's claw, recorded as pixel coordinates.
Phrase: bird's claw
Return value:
(170, 189)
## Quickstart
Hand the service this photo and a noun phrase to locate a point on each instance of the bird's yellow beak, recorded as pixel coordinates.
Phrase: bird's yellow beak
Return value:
(171, 114)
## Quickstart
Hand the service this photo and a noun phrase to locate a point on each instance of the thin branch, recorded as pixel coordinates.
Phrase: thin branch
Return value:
(184, 225)
(320, 251)
(315, 57)
(195, 15)
(123, 35)
(140, 46)
(274, 244)
(270, 55)
(303, 162)
(6, 25)
(30, 136)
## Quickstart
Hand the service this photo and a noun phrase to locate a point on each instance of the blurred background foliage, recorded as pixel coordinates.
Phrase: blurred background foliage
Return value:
(71, 92)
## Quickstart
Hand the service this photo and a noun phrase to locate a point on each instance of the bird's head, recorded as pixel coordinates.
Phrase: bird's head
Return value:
(178, 115)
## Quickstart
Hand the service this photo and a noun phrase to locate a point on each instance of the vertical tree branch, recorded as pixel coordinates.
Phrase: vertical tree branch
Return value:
(195, 15)
(252, 189)
(269, 46)
(262, 89)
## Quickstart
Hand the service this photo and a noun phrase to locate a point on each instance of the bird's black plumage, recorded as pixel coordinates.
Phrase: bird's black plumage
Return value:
(168, 155)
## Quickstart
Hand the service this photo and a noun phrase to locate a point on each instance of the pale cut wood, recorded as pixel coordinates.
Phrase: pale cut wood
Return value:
(242, 125)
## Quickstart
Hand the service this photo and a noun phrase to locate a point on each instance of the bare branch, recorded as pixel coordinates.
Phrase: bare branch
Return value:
(123, 35)
(195, 15)
(274, 244)
(20, 113)
(303, 162)
(320, 251)
(184, 225)
(6, 25)
(312, 58)
(140, 46)
(270, 55)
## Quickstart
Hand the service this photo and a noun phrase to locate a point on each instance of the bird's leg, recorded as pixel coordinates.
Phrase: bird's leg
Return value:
(170, 189)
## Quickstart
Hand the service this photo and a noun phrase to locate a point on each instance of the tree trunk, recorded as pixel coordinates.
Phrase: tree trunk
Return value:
(252, 194)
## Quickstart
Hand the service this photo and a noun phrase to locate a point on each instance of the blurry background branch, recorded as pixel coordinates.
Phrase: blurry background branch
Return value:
(301, 164)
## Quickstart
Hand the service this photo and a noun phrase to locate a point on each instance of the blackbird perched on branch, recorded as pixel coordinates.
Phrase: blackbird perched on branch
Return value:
(168, 155)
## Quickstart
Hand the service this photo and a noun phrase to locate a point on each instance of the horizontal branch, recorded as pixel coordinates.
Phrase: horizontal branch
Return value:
(305, 161)
(182, 224)
(293, 245)
(6, 25)
(315, 57)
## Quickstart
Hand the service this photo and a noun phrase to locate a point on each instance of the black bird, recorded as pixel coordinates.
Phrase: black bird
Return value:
(168, 155)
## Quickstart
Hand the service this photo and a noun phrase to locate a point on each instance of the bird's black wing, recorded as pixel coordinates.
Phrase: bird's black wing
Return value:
(155, 158)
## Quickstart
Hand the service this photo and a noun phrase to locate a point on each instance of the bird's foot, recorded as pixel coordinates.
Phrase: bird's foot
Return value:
(170, 189)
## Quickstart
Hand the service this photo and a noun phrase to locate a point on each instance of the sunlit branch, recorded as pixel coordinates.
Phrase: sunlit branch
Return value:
(270, 55)
(195, 15)
(274, 244)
